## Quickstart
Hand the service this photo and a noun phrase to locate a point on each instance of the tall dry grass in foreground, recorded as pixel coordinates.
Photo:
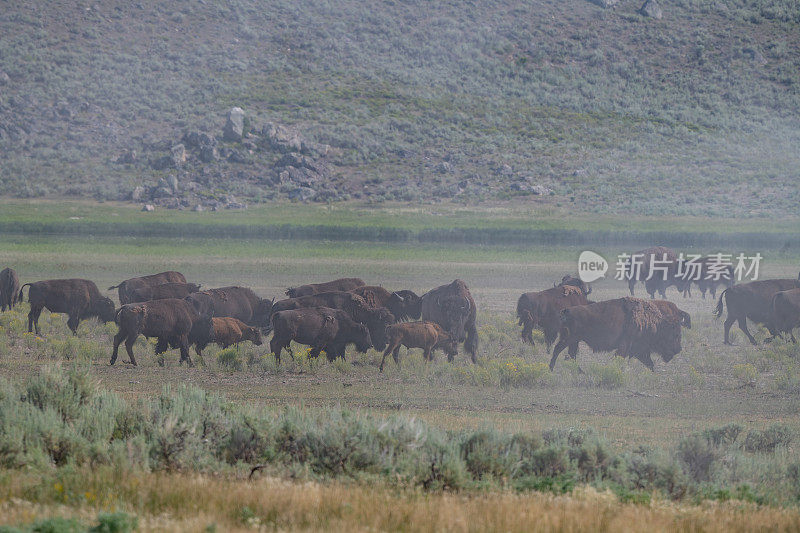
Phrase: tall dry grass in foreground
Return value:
(175, 502)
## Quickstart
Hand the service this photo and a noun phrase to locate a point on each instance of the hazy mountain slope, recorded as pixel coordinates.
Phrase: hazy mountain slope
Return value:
(698, 112)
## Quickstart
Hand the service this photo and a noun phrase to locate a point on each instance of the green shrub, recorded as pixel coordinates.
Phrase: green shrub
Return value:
(768, 440)
(229, 359)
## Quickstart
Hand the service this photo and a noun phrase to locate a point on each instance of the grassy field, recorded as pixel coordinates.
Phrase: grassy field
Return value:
(631, 412)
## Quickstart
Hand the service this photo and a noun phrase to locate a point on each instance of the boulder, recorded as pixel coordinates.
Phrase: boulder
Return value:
(208, 154)
(605, 4)
(178, 155)
(172, 182)
(4, 79)
(651, 9)
(302, 194)
(137, 193)
(127, 157)
(148, 207)
(199, 139)
(506, 170)
(541, 190)
(234, 126)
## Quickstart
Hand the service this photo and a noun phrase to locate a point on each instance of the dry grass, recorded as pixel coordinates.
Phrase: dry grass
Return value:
(193, 503)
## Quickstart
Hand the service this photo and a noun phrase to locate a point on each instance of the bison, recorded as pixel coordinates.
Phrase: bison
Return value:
(322, 328)
(129, 285)
(225, 332)
(657, 267)
(174, 322)
(426, 335)
(402, 304)
(163, 291)
(78, 298)
(452, 307)
(342, 284)
(375, 318)
(786, 312)
(9, 289)
(630, 326)
(754, 301)
(543, 309)
(234, 302)
(706, 276)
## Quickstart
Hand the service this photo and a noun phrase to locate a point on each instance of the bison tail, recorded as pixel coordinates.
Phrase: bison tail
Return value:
(21, 297)
(114, 287)
(718, 311)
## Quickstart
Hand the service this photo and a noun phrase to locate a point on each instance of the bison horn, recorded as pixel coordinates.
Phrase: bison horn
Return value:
(398, 296)
(588, 289)
(466, 300)
(438, 302)
(554, 284)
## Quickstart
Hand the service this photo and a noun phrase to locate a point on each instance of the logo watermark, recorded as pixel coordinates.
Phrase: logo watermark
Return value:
(591, 266)
(686, 267)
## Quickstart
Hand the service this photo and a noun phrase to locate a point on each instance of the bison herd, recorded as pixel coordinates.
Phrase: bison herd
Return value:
(331, 316)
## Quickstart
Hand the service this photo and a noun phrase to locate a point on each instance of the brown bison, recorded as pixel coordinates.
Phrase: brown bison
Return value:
(78, 298)
(163, 291)
(234, 302)
(9, 289)
(754, 301)
(452, 307)
(786, 312)
(630, 326)
(173, 322)
(543, 309)
(375, 318)
(225, 332)
(426, 335)
(129, 285)
(402, 304)
(706, 276)
(342, 284)
(322, 328)
(657, 267)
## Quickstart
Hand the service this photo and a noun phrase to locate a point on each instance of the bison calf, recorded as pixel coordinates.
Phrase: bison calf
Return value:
(429, 336)
(225, 332)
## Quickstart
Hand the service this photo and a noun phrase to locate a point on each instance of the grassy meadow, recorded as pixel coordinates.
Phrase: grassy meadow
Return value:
(707, 441)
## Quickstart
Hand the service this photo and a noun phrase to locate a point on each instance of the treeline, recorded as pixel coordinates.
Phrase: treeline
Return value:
(481, 236)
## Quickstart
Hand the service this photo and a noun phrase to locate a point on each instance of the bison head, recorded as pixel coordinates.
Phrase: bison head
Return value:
(405, 304)
(252, 334)
(202, 332)
(202, 302)
(585, 288)
(362, 338)
(455, 313)
(104, 309)
(377, 319)
(262, 312)
(668, 339)
(193, 287)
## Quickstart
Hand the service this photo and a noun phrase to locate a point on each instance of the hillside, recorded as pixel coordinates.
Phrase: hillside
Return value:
(694, 113)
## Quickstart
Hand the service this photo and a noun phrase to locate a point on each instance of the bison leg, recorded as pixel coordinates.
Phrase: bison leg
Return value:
(276, 347)
(728, 323)
(118, 338)
(184, 347)
(391, 348)
(72, 323)
(557, 350)
(743, 326)
(129, 349)
(471, 345)
(648, 362)
(33, 318)
(527, 332)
